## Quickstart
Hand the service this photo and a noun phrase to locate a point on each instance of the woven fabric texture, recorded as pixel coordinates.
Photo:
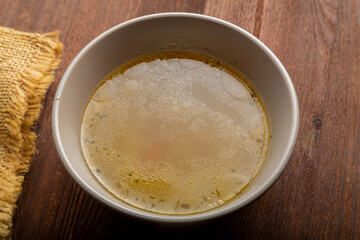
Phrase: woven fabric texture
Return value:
(27, 64)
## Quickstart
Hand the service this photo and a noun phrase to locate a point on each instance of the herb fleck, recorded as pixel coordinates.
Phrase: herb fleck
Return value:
(103, 116)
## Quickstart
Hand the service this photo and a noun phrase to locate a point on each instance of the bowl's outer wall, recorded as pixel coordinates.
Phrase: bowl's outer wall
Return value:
(189, 32)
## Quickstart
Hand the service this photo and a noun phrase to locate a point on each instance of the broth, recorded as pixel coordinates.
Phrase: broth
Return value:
(175, 133)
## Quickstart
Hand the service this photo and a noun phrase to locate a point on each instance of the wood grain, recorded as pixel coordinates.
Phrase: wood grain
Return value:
(317, 195)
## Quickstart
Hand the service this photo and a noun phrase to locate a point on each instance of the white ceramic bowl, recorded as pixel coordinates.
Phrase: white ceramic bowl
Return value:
(175, 31)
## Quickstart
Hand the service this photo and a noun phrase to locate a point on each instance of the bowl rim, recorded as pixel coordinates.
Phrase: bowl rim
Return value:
(177, 218)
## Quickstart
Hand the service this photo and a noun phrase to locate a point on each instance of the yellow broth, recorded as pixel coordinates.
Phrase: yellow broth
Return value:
(175, 133)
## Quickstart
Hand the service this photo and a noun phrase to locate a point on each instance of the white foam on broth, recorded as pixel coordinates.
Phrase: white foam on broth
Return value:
(174, 136)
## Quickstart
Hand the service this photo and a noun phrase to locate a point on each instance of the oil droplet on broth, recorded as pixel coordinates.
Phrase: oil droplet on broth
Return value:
(166, 150)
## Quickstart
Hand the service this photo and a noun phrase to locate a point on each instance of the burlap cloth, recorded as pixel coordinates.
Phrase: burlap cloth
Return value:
(27, 64)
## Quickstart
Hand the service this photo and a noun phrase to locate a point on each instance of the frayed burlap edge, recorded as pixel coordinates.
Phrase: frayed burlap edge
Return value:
(24, 108)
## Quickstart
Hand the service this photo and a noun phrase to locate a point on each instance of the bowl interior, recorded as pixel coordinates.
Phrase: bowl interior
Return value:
(187, 32)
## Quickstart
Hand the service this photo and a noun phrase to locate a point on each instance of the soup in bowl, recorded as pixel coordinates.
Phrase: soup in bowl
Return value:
(175, 117)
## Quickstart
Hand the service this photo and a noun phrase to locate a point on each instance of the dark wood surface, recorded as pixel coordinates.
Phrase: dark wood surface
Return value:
(317, 196)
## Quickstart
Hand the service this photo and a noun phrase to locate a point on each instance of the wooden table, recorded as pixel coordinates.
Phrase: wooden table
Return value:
(317, 196)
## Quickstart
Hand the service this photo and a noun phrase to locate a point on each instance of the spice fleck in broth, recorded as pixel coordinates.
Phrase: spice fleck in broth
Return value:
(175, 133)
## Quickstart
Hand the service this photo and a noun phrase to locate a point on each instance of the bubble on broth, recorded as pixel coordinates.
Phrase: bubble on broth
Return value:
(174, 108)
(160, 63)
(230, 185)
(256, 127)
(188, 205)
(186, 105)
(190, 64)
(131, 86)
(117, 80)
(105, 92)
(163, 207)
(174, 135)
(136, 71)
(233, 88)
